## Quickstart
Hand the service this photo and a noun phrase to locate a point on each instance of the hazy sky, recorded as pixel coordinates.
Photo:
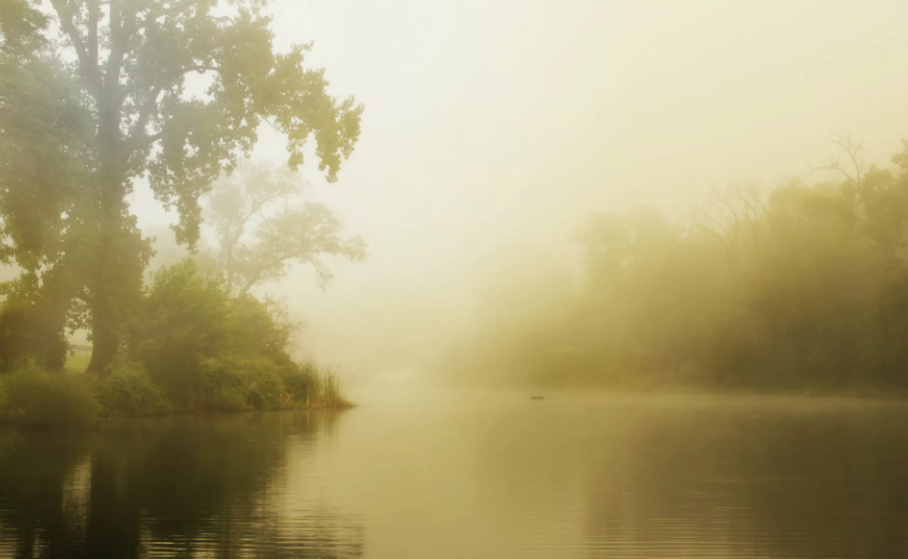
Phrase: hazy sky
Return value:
(493, 127)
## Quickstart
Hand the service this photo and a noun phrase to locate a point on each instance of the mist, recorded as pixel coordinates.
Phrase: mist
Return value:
(408, 279)
(493, 131)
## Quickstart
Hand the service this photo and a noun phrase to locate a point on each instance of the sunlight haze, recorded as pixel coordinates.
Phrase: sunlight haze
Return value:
(496, 125)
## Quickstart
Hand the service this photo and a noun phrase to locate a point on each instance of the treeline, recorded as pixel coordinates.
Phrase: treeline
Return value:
(803, 288)
(189, 347)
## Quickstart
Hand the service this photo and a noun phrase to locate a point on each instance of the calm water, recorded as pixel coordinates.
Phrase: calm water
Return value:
(426, 475)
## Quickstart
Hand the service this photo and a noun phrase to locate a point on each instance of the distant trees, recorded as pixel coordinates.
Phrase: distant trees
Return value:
(167, 90)
(805, 287)
(262, 228)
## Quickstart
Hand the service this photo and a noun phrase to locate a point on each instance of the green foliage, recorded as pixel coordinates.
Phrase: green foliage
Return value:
(31, 329)
(93, 97)
(192, 347)
(803, 289)
(332, 395)
(76, 364)
(184, 320)
(225, 400)
(303, 383)
(128, 390)
(308, 385)
(212, 352)
(21, 25)
(33, 397)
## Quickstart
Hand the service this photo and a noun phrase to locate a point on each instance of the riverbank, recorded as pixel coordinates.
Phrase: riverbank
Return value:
(33, 397)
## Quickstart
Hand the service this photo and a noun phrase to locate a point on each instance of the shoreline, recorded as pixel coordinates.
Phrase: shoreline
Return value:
(104, 421)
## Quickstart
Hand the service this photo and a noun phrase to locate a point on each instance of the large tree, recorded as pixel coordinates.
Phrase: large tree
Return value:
(168, 90)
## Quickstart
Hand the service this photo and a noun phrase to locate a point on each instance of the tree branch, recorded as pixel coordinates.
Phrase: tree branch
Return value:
(174, 8)
(138, 129)
(93, 32)
(851, 149)
(120, 33)
(90, 72)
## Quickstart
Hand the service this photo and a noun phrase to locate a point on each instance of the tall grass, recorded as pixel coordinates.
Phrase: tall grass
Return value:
(315, 386)
(330, 392)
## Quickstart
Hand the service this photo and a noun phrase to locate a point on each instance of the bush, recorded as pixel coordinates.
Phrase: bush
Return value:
(226, 400)
(127, 390)
(33, 397)
(262, 384)
(196, 341)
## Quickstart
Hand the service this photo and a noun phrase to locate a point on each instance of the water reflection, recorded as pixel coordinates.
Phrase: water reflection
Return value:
(754, 482)
(472, 475)
(663, 477)
(179, 487)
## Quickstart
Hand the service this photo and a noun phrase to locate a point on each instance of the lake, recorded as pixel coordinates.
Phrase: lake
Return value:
(448, 474)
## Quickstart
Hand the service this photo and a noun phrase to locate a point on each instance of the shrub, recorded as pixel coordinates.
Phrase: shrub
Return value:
(33, 397)
(127, 390)
(256, 379)
(196, 341)
(261, 384)
(226, 400)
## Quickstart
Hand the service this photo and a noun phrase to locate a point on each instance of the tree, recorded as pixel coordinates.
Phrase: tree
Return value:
(732, 216)
(256, 246)
(119, 99)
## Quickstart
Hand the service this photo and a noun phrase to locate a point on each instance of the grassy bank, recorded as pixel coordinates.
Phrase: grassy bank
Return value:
(31, 396)
(76, 363)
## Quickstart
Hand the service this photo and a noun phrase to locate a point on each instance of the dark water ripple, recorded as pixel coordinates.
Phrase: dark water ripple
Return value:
(471, 475)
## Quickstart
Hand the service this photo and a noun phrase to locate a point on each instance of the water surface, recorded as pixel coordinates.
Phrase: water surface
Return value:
(471, 475)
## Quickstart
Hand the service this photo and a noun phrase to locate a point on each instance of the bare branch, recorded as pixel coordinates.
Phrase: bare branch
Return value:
(852, 150)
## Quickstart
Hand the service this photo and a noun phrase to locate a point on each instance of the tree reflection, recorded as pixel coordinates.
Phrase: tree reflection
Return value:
(181, 486)
(706, 477)
(724, 481)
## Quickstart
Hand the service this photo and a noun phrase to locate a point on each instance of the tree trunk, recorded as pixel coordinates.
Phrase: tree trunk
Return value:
(109, 283)
(106, 283)
(105, 341)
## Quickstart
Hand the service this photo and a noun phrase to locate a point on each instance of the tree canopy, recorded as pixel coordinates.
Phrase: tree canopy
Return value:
(96, 95)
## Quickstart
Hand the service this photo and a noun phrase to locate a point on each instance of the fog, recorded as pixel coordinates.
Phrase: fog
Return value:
(493, 129)
(437, 278)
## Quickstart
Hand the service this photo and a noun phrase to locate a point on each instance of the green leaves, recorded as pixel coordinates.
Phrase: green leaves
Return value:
(201, 132)
(21, 27)
(44, 135)
(168, 90)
